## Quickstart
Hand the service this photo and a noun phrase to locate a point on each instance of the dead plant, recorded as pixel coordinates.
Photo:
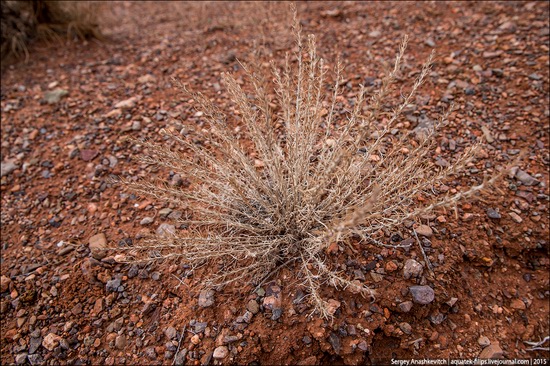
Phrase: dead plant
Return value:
(311, 178)
(23, 21)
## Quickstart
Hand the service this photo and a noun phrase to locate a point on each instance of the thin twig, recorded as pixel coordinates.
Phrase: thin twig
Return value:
(428, 264)
(416, 341)
(179, 345)
(379, 243)
(266, 277)
(535, 346)
(180, 281)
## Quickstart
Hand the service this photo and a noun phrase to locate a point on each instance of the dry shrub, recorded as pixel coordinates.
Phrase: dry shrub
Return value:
(210, 16)
(301, 179)
(17, 25)
(23, 21)
(75, 19)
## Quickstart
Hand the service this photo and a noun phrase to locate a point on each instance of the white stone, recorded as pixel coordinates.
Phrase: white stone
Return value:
(220, 352)
(51, 341)
(126, 104)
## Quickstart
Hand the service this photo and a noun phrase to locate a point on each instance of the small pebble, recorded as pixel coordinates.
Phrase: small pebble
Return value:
(113, 285)
(21, 358)
(493, 214)
(483, 341)
(253, 306)
(206, 298)
(526, 178)
(146, 221)
(220, 352)
(515, 217)
(412, 269)
(4, 283)
(405, 306)
(490, 352)
(195, 339)
(429, 42)
(54, 96)
(424, 230)
(35, 359)
(363, 346)
(150, 353)
(170, 332)
(126, 104)
(7, 167)
(276, 313)
(120, 342)
(51, 341)
(405, 327)
(335, 342)
(422, 294)
(517, 304)
(97, 244)
(375, 34)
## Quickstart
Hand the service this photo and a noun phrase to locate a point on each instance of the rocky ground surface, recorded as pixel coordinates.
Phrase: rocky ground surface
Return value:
(482, 291)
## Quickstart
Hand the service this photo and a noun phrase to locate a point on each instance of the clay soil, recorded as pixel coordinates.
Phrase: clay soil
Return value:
(489, 254)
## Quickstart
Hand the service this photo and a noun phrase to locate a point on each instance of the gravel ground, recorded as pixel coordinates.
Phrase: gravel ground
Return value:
(66, 114)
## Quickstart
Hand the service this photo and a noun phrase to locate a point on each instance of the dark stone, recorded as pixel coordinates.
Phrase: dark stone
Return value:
(150, 353)
(437, 318)
(200, 327)
(113, 285)
(34, 344)
(334, 341)
(133, 271)
(493, 214)
(88, 155)
(35, 359)
(422, 294)
(405, 307)
(126, 242)
(370, 266)
(276, 314)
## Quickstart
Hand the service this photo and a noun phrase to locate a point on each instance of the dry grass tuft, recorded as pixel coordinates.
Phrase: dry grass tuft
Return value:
(75, 19)
(23, 21)
(309, 179)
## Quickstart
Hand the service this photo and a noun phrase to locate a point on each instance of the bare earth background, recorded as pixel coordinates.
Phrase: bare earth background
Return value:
(66, 114)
